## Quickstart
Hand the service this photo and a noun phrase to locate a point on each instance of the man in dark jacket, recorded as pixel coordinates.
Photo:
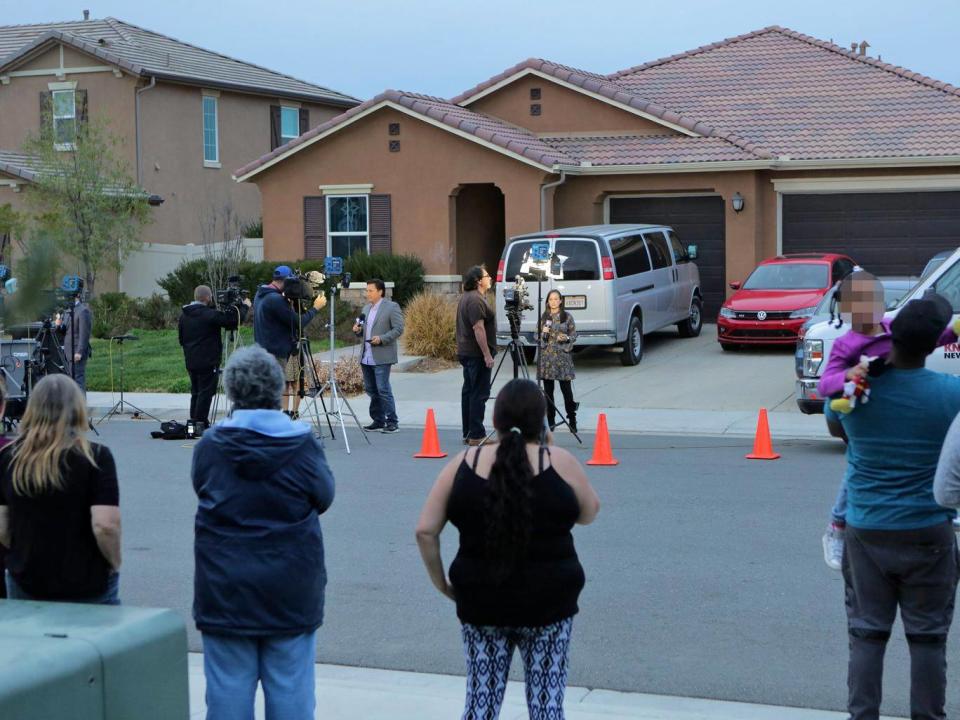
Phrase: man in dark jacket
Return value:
(261, 481)
(199, 331)
(75, 326)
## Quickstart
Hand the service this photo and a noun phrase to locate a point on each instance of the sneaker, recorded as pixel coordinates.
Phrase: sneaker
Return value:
(374, 426)
(390, 429)
(833, 547)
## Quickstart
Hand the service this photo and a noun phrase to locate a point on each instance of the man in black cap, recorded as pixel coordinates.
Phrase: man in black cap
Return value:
(900, 546)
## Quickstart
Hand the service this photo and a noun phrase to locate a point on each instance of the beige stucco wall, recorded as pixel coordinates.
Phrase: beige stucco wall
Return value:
(562, 110)
(420, 178)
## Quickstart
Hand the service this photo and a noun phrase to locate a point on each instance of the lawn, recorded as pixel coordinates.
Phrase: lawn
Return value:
(153, 362)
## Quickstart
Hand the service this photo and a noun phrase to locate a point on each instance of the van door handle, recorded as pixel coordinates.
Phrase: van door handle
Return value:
(642, 289)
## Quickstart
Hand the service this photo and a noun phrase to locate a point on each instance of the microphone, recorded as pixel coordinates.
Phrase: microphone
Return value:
(361, 319)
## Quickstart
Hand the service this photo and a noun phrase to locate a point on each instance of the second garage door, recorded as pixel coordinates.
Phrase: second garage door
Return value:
(698, 221)
(885, 233)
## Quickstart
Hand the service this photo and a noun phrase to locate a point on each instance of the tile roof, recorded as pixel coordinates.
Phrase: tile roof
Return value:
(801, 97)
(649, 149)
(144, 52)
(25, 167)
(603, 86)
(499, 132)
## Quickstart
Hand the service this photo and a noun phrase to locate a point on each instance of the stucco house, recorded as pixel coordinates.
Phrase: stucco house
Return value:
(768, 142)
(187, 115)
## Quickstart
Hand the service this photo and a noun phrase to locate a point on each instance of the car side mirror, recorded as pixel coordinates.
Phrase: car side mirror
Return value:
(692, 251)
(735, 285)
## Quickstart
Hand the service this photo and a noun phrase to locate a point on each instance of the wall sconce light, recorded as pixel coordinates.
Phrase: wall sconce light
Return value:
(737, 202)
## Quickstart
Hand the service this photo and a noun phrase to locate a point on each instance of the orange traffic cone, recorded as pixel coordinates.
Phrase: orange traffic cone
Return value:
(762, 445)
(431, 440)
(602, 455)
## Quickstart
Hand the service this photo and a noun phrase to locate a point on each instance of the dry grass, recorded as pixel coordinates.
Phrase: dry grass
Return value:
(347, 371)
(431, 326)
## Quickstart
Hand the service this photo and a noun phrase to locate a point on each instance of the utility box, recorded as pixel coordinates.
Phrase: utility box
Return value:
(64, 661)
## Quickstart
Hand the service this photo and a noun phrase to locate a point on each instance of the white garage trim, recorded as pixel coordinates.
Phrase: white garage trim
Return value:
(626, 196)
(889, 183)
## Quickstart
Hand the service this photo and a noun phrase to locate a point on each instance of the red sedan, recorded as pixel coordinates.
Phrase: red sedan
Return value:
(781, 293)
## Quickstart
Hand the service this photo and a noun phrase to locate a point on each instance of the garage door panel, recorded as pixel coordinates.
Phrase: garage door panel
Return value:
(698, 221)
(886, 233)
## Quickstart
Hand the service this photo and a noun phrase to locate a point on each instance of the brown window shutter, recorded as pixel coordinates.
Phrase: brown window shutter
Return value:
(381, 224)
(80, 104)
(304, 120)
(274, 127)
(314, 228)
(46, 110)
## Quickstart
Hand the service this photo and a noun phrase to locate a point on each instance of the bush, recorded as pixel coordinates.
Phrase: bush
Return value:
(404, 271)
(113, 314)
(156, 313)
(180, 283)
(431, 326)
(347, 371)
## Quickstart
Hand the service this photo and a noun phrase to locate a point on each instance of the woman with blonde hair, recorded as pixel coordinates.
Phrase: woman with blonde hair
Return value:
(59, 503)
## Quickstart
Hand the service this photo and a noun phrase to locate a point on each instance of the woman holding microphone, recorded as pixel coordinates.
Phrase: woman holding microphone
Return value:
(557, 335)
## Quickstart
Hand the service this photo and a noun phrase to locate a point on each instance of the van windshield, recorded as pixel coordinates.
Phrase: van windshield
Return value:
(789, 276)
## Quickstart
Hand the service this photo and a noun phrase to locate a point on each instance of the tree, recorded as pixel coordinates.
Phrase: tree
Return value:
(12, 226)
(84, 198)
(222, 242)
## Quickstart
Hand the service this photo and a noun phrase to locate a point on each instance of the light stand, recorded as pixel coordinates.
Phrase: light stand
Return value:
(118, 408)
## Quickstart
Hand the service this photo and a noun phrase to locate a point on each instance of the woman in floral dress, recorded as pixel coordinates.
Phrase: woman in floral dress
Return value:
(556, 357)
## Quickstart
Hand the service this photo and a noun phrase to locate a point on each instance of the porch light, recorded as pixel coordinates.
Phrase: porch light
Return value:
(737, 202)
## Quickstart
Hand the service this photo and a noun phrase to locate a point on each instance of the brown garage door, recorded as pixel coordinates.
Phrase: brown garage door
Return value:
(698, 221)
(885, 233)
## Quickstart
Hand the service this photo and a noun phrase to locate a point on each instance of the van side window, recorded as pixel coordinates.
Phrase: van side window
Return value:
(948, 285)
(679, 251)
(659, 252)
(515, 254)
(583, 261)
(629, 255)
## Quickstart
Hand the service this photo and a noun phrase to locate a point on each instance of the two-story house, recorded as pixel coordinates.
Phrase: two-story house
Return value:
(187, 116)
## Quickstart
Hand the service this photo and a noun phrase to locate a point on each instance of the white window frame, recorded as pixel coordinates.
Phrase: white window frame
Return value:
(331, 235)
(54, 117)
(284, 139)
(214, 163)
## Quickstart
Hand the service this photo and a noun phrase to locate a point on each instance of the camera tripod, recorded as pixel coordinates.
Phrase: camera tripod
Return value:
(306, 362)
(231, 341)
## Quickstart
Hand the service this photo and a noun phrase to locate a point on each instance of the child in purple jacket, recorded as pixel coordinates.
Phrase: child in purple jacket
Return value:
(861, 297)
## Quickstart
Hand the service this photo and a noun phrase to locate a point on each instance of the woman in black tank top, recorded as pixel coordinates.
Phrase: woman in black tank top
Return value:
(516, 577)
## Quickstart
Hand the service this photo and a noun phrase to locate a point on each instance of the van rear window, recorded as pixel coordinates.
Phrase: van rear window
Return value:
(515, 254)
(583, 261)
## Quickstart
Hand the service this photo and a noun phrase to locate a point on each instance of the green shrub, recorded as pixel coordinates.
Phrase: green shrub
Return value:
(404, 271)
(252, 229)
(113, 314)
(430, 326)
(180, 283)
(156, 313)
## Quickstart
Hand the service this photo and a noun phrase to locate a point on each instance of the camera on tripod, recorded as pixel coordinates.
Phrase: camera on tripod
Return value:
(301, 289)
(516, 301)
(232, 294)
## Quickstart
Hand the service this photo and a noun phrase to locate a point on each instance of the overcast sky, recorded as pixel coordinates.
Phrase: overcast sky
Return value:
(441, 47)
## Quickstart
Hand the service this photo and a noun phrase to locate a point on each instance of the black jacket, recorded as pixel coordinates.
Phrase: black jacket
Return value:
(275, 322)
(199, 331)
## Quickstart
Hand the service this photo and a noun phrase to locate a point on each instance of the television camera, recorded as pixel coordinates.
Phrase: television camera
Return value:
(232, 294)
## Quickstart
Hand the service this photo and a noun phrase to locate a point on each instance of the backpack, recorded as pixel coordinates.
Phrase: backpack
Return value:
(170, 430)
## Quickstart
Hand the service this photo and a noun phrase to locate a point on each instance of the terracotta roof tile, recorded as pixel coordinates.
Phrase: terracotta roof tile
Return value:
(25, 167)
(649, 149)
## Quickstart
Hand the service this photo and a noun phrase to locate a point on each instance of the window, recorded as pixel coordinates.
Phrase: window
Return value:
(64, 119)
(289, 124)
(679, 251)
(659, 252)
(629, 255)
(582, 262)
(347, 222)
(211, 140)
(841, 268)
(515, 255)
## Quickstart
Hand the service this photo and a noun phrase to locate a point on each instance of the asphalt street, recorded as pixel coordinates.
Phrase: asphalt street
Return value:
(705, 572)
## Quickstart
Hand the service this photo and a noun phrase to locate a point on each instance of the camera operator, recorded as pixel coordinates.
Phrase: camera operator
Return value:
(75, 326)
(476, 346)
(199, 332)
(380, 324)
(277, 326)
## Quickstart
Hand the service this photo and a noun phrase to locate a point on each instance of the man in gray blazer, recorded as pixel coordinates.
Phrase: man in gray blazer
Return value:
(381, 326)
(75, 326)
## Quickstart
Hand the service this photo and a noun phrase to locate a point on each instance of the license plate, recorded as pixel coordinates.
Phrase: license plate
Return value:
(575, 302)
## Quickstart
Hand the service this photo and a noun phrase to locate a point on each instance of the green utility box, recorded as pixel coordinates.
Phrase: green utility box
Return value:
(61, 661)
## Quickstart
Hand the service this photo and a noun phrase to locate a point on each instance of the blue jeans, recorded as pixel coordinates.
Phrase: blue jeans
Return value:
(110, 597)
(474, 395)
(283, 664)
(839, 512)
(376, 383)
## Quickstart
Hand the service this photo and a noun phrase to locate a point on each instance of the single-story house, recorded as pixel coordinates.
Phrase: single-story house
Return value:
(768, 142)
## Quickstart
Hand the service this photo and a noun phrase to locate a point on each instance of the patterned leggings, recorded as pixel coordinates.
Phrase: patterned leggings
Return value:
(489, 651)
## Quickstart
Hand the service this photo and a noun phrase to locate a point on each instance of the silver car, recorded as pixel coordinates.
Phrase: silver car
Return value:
(619, 281)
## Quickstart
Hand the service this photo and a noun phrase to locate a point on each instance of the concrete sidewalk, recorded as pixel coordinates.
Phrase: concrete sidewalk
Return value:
(347, 693)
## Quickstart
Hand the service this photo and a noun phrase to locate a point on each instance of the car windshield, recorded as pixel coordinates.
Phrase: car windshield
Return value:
(788, 276)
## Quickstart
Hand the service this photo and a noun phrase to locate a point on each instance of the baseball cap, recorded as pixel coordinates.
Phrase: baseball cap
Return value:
(921, 322)
(281, 272)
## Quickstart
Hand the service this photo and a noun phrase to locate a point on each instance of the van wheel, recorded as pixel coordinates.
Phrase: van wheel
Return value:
(694, 323)
(633, 345)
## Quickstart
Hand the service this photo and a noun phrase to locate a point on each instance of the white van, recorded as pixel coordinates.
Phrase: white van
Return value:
(619, 282)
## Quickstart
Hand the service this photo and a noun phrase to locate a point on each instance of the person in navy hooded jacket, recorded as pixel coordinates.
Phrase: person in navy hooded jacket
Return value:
(261, 481)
